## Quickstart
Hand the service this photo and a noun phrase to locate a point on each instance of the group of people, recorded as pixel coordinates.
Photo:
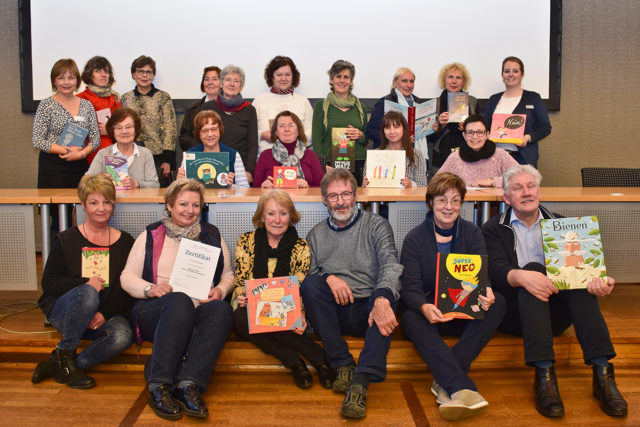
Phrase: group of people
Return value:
(352, 283)
(279, 127)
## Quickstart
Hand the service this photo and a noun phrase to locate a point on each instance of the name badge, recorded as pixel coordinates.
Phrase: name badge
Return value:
(529, 107)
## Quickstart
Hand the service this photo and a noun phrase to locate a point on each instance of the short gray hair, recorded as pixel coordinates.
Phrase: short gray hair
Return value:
(399, 72)
(337, 174)
(519, 170)
(233, 69)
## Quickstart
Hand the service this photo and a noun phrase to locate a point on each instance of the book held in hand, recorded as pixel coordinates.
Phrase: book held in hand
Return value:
(273, 304)
(73, 135)
(420, 117)
(460, 279)
(117, 168)
(343, 150)
(211, 169)
(386, 168)
(285, 177)
(95, 262)
(507, 128)
(194, 268)
(573, 253)
(458, 107)
(103, 115)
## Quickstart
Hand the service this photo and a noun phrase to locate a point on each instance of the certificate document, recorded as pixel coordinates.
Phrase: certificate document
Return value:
(194, 268)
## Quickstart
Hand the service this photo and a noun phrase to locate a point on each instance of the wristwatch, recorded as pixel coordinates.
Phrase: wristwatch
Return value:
(146, 291)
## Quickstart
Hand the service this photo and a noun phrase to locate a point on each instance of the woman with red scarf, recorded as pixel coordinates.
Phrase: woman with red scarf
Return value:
(238, 117)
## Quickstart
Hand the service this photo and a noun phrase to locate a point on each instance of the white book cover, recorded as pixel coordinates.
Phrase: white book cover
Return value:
(386, 168)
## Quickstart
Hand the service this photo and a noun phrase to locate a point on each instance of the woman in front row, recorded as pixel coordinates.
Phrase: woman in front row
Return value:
(478, 162)
(86, 307)
(124, 128)
(273, 250)
(187, 335)
(443, 231)
(395, 136)
(289, 148)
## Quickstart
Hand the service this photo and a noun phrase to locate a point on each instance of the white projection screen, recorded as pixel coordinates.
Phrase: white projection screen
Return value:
(377, 37)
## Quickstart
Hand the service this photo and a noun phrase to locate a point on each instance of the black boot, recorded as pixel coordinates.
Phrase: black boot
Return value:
(44, 370)
(606, 391)
(326, 375)
(301, 375)
(545, 388)
(67, 372)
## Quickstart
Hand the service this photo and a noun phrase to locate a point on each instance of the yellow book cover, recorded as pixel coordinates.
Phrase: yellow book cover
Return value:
(95, 262)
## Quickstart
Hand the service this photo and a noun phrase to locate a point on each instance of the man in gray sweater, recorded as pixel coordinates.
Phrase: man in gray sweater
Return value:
(353, 288)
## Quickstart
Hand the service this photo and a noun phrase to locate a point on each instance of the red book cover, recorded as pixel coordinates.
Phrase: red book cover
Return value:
(273, 304)
(411, 121)
(285, 177)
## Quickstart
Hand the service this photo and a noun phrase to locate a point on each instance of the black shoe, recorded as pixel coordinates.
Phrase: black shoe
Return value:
(301, 375)
(44, 370)
(326, 375)
(163, 404)
(188, 397)
(545, 388)
(67, 372)
(606, 391)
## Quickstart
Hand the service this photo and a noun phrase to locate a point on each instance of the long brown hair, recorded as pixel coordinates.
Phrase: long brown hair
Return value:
(396, 118)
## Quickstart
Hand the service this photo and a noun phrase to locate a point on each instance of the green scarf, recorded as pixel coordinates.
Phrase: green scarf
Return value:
(347, 102)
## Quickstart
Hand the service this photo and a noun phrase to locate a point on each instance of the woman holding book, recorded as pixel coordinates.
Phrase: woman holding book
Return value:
(210, 85)
(274, 250)
(478, 162)
(208, 130)
(395, 136)
(444, 232)
(447, 138)
(187, 334)
(62, 163)
(282, 77)
(99, 78)
(123, 127)
(288, 148)
(515, 100)
(340, 109)
(83, 303)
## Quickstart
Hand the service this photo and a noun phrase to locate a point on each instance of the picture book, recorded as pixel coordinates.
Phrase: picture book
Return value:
(95, 262)
(73, 135)
(117, 168)
(285, 177)
(209, 168)
(386, 168)
(420, 118)
(343, 150)
(458, 106)
(460, 279)
(507, 128)
(273, 304)
(573, 252)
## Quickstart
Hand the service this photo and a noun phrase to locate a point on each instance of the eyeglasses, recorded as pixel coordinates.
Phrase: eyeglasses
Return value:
(443, 201)
(346, 196)
(144, 72)
(476, 132)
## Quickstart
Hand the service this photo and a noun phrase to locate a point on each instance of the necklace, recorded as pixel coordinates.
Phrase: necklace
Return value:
(87, 236)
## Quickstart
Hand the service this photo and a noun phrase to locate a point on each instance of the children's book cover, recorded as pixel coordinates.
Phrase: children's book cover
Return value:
(386, 168)
(73, 135)
(420, 118)
(273, 304)
(117, 168)
(460, 279)
(458, 106)
(343, 150)
(285, 177)
(573, 251)
(209, 168)
(507, 128)
(95, 262)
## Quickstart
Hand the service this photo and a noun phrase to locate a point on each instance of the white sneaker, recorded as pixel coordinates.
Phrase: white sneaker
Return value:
(440, 393)
(463, 404)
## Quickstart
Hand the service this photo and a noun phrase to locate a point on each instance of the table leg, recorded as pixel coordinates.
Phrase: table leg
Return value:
(45, 231)
(63, 211)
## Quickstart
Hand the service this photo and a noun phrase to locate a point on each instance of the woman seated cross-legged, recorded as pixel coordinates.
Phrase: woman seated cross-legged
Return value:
(443, 231)
(81, 305)
(273, 250)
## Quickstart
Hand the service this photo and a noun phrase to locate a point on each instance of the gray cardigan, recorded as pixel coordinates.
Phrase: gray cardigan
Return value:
(142, 169)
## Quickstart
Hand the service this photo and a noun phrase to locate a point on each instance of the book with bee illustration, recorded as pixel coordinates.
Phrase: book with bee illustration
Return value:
(273, 304)
(573, 253)
(95, 262)
(460, 279)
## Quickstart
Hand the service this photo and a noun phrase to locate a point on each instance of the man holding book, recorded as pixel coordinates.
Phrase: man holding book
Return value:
(352, 288)
(536, 309)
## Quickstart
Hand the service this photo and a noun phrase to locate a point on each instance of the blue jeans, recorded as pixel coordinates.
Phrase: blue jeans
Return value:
(331, 320)
(71, 315)
(187, 340)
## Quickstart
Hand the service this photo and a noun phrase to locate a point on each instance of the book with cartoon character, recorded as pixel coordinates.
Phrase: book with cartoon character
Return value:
(573, 253)
(507, 128)
(209, 168)
(343, 150)
(117, 168)
(420, 117)
(273, 304)
(285, 177)
(460, 279)
(73, 135)
(95, 262)
(458, 106)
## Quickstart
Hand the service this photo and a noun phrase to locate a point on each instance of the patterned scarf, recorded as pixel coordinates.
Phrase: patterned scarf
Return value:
(347, 102)
(281, 92)
(282, 156)
(232, 105)
(104, 91)
(191, 232)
